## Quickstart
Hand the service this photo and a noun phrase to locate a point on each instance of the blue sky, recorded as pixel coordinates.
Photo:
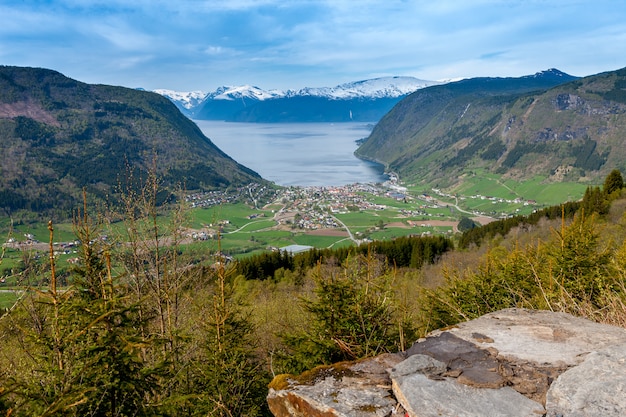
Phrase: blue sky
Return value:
(187, 45)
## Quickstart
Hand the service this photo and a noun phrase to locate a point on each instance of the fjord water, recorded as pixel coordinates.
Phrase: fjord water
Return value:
(303, 154)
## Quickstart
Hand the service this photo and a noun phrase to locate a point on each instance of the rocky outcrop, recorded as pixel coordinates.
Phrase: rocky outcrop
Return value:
(513, 362)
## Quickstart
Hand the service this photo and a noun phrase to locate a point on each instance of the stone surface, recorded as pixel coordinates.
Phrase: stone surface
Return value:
(470, 364)
(538, 336)
(513, 362)
(596, 387)
(357, 389)
(424, 397)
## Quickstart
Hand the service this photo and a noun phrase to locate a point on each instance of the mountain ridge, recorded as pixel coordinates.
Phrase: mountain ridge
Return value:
(518, 128)
(365, 100)
(60, 135)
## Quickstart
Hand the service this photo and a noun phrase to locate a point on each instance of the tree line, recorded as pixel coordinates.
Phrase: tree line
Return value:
(410, 252)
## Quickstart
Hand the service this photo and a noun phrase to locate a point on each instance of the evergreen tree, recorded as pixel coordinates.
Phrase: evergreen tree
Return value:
(351, 316)
(613, 182)
(227, 379)
(595, 201)
(578, 267)
(86, 352)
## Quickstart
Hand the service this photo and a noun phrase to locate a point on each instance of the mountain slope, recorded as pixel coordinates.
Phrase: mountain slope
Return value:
(366, 100)
(58, 135)
(549, 124)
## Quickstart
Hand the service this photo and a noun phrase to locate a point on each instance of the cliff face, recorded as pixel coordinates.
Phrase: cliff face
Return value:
(513, 362)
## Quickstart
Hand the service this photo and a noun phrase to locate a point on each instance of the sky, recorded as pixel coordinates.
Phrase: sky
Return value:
(191, 45)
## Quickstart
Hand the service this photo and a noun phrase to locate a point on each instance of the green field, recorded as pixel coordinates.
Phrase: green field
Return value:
(544, 193)
(7, 299)
(317, 241)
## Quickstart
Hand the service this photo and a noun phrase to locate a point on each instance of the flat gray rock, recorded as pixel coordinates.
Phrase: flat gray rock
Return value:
(357, 389)
(424, 397)
(538, 336)
(521, 350)
(596, 387)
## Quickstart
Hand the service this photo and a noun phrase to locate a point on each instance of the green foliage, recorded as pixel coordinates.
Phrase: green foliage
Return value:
(466, 224)
(85, 353)
(614, 182)
(494, 151)
(522, 149)
(120, 341)
(570, 273)
(473, 149)
(618, 92)
(88, 137)
(577, 265)
(595, 201)
(478, 235)
(351, 316)
(227, 378)
(503, 126)
(408, 251)
(587, 158)
(30, 130)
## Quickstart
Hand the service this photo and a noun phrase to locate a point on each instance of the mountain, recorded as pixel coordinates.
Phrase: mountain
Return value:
(366, 100)
(548, 124)
(58, 135)
(184, 101)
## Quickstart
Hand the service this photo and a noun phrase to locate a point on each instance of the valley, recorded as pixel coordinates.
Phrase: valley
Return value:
(258, 218)
(204, 254)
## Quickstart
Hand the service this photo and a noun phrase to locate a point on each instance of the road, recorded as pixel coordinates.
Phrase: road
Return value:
(347, 230)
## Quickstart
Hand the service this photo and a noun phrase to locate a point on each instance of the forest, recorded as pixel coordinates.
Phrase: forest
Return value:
(143, 327)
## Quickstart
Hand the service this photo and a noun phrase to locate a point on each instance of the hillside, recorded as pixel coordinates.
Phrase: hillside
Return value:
(549, 124)
(59, 135)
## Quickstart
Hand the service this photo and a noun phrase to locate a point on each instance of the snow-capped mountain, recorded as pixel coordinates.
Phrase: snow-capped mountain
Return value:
(365, 100)
(187, 100)
(244, 91)
(384, 87)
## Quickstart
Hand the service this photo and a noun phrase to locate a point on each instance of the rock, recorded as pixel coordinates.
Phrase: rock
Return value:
(353, 389)
(422, 364)
(596, 387)
(471, 365)
(424, 397)
(538, 336)
(513, 362)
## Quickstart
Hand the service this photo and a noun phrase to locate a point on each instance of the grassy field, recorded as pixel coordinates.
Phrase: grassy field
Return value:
(7, 299)
(544, 193)
(317, 241)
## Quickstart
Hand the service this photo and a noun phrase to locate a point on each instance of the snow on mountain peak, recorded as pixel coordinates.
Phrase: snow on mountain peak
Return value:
(552, 71)
(244, 91)
(383, 87)
(186, 99)
(373, 88)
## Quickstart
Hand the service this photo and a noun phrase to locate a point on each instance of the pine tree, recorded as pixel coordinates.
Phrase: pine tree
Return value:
(613, 182)
(86, 353)
(578, 266)
(227, 378)
(351, 316)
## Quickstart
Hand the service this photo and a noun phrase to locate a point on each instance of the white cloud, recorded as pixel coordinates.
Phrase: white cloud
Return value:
(296, 43)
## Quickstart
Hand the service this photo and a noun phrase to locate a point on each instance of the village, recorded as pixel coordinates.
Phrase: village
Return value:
(321, 209)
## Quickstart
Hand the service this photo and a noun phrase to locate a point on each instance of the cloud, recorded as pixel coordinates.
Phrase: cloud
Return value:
(198, 44)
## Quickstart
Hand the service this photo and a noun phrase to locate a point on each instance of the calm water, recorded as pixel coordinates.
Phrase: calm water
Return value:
(297, 153)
